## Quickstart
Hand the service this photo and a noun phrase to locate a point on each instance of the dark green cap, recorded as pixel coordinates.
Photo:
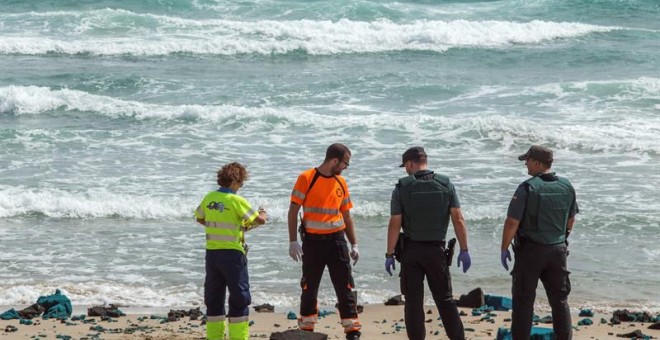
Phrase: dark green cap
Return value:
(539, 153)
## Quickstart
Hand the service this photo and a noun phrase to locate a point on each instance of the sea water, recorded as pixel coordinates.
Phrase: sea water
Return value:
(116, 114)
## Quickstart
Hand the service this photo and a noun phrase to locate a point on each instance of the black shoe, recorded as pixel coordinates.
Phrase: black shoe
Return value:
(354, 335)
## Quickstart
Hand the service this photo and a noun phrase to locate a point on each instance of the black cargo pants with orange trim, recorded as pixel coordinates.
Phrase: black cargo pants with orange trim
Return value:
(320, 251)
(534, 261)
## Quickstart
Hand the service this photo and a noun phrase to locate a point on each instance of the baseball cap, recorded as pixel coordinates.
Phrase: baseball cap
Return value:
(539, 153)
(412, 154)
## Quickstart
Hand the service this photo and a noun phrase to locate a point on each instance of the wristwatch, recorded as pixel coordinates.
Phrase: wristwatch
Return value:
(389, 256)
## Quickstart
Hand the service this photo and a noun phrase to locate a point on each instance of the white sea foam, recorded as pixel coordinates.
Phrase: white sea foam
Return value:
(97, 33)
(15, 201)
(95, 293)
(139, 295)
(589, 127)
(36, 100)
(102, 203)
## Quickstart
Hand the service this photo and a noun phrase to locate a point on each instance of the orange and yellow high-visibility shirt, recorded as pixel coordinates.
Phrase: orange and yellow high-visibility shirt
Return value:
(324, 203)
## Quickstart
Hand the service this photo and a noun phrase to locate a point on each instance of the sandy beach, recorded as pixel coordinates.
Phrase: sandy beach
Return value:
(379, 322)
(116, 115)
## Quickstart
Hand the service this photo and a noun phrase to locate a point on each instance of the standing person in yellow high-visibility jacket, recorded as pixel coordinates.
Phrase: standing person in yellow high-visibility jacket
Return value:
(226, 216)
(326, 224)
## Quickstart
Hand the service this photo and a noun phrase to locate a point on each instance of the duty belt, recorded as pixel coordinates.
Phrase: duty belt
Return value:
(324, 237)
(430, 243)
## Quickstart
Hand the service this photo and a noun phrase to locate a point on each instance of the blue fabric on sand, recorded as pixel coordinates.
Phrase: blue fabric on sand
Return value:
(500, 303)
(538, 333)
(9, 315)
(56, 306)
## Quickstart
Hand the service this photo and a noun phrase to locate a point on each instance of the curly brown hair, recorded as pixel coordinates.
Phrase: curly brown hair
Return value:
(232, 172)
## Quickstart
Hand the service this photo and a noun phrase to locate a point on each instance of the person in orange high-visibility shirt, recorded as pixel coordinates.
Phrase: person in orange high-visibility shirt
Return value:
(323, 194)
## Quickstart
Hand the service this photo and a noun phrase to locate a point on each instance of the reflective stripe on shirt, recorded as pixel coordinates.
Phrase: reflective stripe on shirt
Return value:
(324, 225)
(249, 214)
(227, 238)
(298, 194)
(221, 225)
(317, 210)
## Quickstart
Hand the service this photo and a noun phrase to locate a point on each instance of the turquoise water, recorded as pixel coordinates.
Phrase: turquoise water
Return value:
(115, 115)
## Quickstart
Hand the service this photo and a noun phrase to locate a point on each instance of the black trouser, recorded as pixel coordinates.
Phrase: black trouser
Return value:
(427, 259)
(536, 261)
(319, 252)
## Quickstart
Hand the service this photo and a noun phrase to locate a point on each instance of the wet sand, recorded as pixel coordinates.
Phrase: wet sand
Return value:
(379, 322)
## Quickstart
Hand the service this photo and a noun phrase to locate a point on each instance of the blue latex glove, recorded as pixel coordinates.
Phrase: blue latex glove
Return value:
(390, 265)
(464, 257)
(506, 255)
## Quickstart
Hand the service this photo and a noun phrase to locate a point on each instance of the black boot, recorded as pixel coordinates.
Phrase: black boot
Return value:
(354, 335)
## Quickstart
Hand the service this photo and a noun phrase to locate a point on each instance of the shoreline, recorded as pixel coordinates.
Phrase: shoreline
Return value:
(540, 307)
(378, 321)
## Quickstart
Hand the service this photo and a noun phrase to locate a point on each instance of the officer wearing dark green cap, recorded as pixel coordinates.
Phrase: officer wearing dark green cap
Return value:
(422, 205)
(540, 217)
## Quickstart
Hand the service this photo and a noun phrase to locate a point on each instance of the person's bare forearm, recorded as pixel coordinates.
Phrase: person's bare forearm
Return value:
(393, 229)
(350, 230)
(461, 234)
(569, 224)
(510, 229)
(459, 227)
(292, 219)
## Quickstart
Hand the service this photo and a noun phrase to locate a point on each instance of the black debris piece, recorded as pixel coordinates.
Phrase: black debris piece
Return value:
(298, 335)
(636, 334)
(31, 312)
(395, 301)
(474, 299)
(264, 308)
(111, 311)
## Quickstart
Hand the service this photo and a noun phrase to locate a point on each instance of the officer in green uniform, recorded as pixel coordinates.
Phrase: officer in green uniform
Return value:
(540, 217)
(226, 216)
(422, 204)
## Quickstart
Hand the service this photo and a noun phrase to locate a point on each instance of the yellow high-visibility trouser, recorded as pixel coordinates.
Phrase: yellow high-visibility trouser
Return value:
(239, 330)
(215, 327)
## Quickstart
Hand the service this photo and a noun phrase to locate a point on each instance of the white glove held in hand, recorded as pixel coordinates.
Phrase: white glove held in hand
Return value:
(355, 253)
(295, 251)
